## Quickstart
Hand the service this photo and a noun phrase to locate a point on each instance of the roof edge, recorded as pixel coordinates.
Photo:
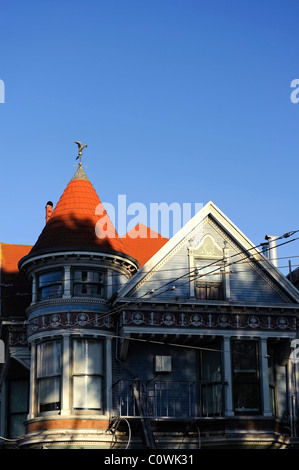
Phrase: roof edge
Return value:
(40, 253)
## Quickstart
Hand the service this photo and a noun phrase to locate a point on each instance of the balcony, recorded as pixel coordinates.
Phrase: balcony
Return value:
(168, 399)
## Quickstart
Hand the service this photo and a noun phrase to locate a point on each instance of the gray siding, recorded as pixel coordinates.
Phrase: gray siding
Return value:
(246, 283)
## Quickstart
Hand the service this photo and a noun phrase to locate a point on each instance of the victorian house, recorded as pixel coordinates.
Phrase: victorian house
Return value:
(143, 342)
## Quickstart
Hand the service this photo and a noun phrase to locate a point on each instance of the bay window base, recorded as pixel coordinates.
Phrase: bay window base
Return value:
(71, 431)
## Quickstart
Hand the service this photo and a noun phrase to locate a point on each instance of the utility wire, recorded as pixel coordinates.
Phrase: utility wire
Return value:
(195, 273)
(151, 292)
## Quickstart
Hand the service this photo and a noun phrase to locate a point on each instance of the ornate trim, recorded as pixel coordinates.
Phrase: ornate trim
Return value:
(168, 256)
(69, 320)
(203, 319)
(251, 263)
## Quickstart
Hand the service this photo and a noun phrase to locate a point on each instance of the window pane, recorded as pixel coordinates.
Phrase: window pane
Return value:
(88, 289)
(48, 358)
(246, 389)
(18, 396)
(208, 292)
(18, 407)
(50, 291)
(50, 284)
(16, 425)
(208, 271)
(88, 357)
(246, 397)
(49, 394)
(87, 392)
(50, 278)
(88, 283)
(245, 356)
(211, 364)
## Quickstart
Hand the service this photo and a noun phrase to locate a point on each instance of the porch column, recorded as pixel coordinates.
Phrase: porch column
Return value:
(227, 377)
(265, 379)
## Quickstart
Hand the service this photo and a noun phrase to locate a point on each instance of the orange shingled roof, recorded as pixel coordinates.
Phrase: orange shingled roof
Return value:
(75, 218)
(15, 288)
(142, 243)
(10, 256)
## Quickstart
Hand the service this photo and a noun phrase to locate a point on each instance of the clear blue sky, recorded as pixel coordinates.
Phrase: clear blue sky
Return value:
(178, 101)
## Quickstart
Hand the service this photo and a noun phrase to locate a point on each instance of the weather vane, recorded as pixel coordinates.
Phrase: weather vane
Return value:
(80, 148)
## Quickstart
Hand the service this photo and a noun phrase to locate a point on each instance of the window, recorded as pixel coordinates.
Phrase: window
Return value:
(50, 285)
(209, 285)
(49, 375)
(211, 385)
(163, 364)
(87, 374)
(89, 283)
(18, 407)
(246, 387)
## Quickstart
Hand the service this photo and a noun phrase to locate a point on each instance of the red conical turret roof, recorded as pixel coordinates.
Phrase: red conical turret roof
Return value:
(79, 221)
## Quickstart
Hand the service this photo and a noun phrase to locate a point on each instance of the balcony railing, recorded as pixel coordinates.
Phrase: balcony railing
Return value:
(169, 399)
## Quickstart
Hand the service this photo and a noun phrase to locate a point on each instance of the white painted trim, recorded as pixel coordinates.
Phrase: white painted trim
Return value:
(67, 254)
(210, 209)
(230, 333)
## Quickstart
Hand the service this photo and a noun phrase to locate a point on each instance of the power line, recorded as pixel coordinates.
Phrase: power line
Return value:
(135, 301)
(195, 272)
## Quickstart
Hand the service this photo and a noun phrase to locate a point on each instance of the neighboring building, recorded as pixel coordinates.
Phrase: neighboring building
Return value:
(144, 342)
(294, 277)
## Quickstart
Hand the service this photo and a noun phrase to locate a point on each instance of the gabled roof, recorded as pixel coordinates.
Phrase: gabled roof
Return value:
(142, 243)
(73, 223)
(210, 209)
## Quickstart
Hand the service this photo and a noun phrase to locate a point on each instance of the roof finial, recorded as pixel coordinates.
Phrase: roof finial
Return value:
(80, 148)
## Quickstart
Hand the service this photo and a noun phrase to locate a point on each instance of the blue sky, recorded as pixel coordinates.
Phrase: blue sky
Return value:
(178, 101)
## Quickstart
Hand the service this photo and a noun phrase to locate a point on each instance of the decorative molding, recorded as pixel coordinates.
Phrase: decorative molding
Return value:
(65, 302)
(204, 319)
(168, 256)
(250, 262)
(69, 320)
(207, 248)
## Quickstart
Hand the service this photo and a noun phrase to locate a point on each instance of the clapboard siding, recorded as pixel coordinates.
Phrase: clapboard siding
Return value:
(246, 283)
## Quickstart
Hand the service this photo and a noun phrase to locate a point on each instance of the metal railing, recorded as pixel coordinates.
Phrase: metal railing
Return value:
(169, 399)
